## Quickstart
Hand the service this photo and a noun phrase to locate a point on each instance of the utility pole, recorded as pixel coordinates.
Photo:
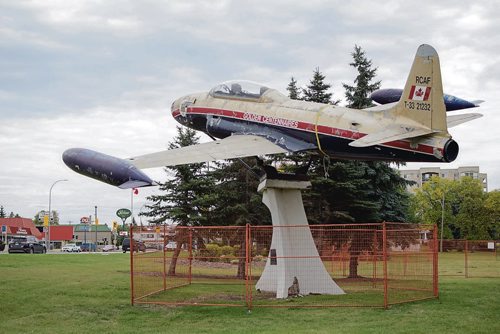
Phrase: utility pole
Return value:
(442, 224)
(86, 227)
(96, 222)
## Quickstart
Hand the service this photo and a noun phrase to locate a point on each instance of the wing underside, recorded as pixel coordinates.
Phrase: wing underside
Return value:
(237, 146)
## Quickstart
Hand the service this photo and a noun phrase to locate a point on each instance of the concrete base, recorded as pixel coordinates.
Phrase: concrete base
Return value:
(295, 252)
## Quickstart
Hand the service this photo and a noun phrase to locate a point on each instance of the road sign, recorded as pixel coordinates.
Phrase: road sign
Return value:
(123, 213)
(4, 229)
(84, 220)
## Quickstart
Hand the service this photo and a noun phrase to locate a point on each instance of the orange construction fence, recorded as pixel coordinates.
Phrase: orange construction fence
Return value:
(470, 258)
(376, 265)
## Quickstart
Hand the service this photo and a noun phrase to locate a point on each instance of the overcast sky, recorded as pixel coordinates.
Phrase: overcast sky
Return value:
(102, 75)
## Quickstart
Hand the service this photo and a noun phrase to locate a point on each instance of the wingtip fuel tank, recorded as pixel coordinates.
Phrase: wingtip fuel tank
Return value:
(108, 169)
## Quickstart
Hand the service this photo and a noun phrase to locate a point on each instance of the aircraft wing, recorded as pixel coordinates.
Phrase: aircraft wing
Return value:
(396, 132)
(455, 120)
(236, 146)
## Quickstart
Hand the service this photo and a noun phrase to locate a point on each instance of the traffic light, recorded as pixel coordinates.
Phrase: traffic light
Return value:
(45, 221)
(115, 226)
(96, 221)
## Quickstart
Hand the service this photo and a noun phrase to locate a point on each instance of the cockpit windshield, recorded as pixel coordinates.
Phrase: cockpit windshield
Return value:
(247, 90)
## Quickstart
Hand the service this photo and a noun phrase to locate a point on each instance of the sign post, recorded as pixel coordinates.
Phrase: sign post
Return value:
(85, 221)
(4, 233)
(123, 214)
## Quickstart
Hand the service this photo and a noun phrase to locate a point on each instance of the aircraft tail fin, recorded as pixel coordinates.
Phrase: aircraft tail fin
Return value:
(422, 100)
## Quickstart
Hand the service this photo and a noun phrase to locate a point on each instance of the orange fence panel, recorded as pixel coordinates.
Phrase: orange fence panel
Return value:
(376, 265)
(470, 258)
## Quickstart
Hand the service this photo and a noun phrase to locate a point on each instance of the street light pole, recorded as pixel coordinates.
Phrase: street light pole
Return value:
(96, 221)
(47, 241)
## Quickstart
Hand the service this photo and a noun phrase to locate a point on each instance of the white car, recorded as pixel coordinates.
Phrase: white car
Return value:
(71, 248)
(108, 248)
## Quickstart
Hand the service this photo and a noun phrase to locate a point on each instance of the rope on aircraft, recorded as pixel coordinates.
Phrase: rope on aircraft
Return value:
(326, 157)
(316, 131)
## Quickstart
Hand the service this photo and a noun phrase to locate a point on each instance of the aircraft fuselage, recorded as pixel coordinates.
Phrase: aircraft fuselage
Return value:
(322, 127)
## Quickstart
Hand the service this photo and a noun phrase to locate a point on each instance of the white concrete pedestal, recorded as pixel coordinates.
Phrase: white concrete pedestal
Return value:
(296, 253)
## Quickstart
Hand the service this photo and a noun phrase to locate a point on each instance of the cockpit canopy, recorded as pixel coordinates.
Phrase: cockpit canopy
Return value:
(239, 89)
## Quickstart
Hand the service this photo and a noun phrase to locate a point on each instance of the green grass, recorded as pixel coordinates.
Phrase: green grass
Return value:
(78, 293)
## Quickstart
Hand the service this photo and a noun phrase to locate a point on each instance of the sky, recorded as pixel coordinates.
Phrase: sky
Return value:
(103, 74)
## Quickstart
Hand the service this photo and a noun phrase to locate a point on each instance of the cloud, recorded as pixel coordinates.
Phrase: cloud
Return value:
(102, 75)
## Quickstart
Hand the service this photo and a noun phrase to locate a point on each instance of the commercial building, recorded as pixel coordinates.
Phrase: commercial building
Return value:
(59, 235)
(19, 227)
(424, 174)
(87, 233)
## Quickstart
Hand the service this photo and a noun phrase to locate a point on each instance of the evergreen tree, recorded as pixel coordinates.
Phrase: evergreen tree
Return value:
(358, 96)
(183, 197)
(317, 90)
(2, 212)
(238, 202)
(186, 197)
(293, 90)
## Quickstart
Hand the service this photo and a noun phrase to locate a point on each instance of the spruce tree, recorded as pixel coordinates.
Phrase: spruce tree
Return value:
(182, 200)
(317, 90)
(293, 90)
(358, 96)
(2, 212)
(186, 197)
(238, 202)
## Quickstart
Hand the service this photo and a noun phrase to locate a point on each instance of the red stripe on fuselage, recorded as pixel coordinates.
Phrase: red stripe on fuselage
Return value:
(309, 127)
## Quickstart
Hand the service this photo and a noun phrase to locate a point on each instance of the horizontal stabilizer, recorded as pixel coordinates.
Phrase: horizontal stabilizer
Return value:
(237, 146)
(455, 120)
(397, 132)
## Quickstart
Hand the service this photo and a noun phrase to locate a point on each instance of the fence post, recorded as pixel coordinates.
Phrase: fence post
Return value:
(435, 259)
(164, 257)
(248, 270)
(131, 232)
(466, 258)
(190, 254)
(384, 250)
(375, 254)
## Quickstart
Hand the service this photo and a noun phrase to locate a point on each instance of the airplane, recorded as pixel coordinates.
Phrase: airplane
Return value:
(250, 119)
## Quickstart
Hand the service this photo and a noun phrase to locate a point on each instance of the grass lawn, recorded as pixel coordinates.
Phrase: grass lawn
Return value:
(75, 293)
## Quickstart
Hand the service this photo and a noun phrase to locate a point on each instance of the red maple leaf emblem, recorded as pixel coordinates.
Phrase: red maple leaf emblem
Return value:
(419, 92)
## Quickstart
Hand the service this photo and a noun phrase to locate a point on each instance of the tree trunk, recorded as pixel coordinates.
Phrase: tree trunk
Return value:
(353, 266)
(180, 241)
(242, 260)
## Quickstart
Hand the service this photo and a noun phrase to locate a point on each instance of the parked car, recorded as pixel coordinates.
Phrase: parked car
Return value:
(138, 245)
(27, 245)
(71, 248)
(2, 246)
(88, 247)
(108, 248)
(171, 245)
